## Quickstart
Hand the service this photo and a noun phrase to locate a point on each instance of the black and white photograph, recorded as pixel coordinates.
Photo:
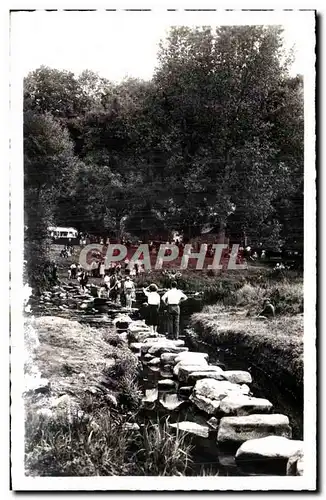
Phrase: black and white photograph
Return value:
(163, 233)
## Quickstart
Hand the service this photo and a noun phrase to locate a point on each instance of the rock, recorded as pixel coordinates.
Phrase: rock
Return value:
(295, 464)
(151, 396)
(238, 376)
(168, 357)
(185, 391)
(208, 393)
(199, 366)
(171, 402)
(191, 428)
(136, 346)
(148, 357)
(269, 454)
(192, 358)
(154, 362)
(236, 404)
(273, 447)
(236, 430)
(154, 368)
(185, 371)
(163, 348)
(166, 384)
(213, 422)
(166, 373)
(195, 376)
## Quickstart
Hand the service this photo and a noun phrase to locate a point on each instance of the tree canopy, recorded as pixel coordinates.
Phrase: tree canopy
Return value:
(215, 137)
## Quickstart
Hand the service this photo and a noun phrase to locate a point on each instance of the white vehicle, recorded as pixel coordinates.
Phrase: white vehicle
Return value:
(66, 233)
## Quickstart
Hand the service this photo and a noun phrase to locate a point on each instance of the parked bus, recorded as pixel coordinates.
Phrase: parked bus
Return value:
(63, 235)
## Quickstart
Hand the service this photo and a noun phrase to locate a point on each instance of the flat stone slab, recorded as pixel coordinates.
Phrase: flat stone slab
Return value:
(166, 384)
(238, 376)
(185, 391)
(168, 358)
(191, 428)
(151, 396)
(270, 447)
(136, 346)
(185, 371)
(237, 430)
(171, 402)
(235, 404)
(160, 349)
(208, 394)
(154, 362)
(193, 358)
(197, 366)
(195, 376)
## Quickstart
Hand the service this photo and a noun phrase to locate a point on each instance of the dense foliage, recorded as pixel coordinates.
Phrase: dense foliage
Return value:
(215, 137)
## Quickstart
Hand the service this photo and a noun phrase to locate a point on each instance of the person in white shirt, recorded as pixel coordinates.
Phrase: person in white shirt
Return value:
(153, 300)
(129, 290)
(172, 298)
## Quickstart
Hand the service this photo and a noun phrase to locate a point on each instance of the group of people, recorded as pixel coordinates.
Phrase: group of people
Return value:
(171, 301)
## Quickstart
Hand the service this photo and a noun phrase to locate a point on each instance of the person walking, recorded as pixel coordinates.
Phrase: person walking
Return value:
(172, 299)
(153, 300)
(129, 290)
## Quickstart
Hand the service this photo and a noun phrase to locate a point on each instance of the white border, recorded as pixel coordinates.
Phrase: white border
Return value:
(307, 482)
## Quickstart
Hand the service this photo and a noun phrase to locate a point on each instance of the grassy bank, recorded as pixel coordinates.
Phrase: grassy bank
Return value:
(85, 424)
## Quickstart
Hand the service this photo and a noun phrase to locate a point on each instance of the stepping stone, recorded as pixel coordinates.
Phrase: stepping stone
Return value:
(213, 423)
(195, 376)
(185, 391)
(160, 349)
(166, 373)
(208, 393)
(154, 362)
(192, 358)
(237, 430)
(151, 396)
(238, 376)
(166, 384)
(136, 346)
(154, 368)
(270, 447)
(168, 357)
(148, 357)
(191, 428)
(269, 454)
(199, 366)
(235, 404)
(171, 401)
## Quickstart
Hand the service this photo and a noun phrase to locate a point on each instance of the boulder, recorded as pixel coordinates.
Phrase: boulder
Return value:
(192, 358)
(148, 357)
(157, 350)
(198, 366)
(151, 396)
(166, 384)
(191, 428)
(185, 391)
(267, 455)
(238, 376)
(186, 371)
(270, 447)
(238, 404)
(168, 358)
(208, 393)
(295, 463)
(136, 346)
(213, 423)
(171, 402)
(195, 376)
(154, 362)
(237, 430)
